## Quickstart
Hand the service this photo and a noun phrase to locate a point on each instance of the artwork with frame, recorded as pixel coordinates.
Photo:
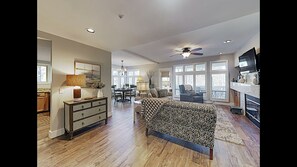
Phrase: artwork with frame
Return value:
(91, 70)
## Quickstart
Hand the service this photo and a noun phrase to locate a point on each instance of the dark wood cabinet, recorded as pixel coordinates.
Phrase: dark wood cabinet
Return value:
(236, 98)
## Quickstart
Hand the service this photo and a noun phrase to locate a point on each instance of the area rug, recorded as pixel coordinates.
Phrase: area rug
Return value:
(225, 130)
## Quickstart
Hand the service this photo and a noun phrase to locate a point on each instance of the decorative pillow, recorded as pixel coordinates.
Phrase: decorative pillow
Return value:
(191, 92)
(154, 92)
(163, 92)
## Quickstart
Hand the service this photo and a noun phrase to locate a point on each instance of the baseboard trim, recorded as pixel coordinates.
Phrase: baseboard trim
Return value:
(56, 133)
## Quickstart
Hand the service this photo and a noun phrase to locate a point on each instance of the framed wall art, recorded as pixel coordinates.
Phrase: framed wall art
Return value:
(91, 70)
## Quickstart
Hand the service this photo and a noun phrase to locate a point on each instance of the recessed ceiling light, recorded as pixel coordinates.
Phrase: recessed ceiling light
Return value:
(227, 41)
(90, 30)
(220, 53)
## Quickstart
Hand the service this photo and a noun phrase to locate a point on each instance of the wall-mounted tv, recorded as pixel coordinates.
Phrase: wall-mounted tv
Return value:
(248, 61)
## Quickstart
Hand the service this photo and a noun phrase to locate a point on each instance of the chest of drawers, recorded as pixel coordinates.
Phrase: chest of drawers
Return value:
(85, 113)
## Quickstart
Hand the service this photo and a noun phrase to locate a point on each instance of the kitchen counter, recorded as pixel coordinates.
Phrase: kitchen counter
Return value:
(40, 90)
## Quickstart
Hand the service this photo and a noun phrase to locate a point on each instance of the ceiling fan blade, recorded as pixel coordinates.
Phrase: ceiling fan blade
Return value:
(174, 55)
(196, 49)
(197, 53)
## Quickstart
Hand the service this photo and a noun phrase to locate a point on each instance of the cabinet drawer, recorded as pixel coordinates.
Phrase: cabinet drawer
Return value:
(88, 112)
(99, 102)
(85, 122)
(102, 116)
(81, 106)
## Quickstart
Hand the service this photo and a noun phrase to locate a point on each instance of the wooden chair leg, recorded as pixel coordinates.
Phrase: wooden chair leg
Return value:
(211, 154)
(146, 131)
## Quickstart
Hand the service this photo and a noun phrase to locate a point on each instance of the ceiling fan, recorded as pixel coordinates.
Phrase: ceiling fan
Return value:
(186, 52)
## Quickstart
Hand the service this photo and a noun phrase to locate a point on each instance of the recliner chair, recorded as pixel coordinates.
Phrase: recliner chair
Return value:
(190, 95)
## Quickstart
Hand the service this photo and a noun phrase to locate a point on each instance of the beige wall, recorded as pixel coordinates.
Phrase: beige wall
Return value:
(64, 52)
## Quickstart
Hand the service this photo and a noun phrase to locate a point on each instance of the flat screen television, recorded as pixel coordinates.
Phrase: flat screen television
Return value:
(248, 61)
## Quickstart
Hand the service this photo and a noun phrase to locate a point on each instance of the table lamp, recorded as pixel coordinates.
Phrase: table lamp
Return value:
(142, 87)
(77, 81)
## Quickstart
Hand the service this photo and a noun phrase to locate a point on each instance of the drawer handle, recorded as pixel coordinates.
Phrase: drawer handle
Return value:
(82, 106)
(99, 109)
(99, 117)
(82, 114)
(82, 123)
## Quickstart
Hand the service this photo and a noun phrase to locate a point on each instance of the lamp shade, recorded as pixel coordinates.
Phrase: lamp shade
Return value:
(142, 86)
(75, 80)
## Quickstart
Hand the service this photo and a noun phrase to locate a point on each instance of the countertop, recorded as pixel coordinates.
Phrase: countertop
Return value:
(253, 90)
(43, 90)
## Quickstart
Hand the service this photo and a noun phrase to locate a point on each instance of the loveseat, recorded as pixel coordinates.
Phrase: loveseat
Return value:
(159, 93)
(192, 122)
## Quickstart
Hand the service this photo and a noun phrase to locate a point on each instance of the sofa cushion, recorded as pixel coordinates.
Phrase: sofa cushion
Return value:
(163, 92)
(154, 92)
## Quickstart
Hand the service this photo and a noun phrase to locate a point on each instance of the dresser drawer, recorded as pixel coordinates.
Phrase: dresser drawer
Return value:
(81, 106)
(85, 122)
(102, 116)
(88, 112)
(99, 102)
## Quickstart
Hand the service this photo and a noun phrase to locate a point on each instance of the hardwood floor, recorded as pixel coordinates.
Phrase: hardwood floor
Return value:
(123, 143)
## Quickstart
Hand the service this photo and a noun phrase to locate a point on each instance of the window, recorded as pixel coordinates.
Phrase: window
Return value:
(189, 80)
(120, 80)
(219, 81)
(200, 82)
(42, 73)
(200, 67)
(178, 81)
(218, 66)
(194, 75)
(179, 69)
(189, 68)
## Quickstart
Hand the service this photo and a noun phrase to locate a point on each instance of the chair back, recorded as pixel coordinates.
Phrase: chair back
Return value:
(182, 89)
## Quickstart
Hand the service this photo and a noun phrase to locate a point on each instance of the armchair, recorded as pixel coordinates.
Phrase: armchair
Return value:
(189, 94)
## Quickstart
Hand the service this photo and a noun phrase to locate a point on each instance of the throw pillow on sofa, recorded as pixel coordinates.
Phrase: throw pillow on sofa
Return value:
(163, 92)
(154, 92)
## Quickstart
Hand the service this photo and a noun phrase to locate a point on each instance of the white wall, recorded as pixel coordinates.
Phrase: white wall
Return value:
(64, 53)
(253, 42)
(44, 49)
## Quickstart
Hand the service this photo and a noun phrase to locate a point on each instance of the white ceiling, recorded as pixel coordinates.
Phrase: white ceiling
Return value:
(151, 30)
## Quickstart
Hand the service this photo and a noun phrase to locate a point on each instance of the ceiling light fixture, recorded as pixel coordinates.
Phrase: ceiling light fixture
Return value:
(90, 30)
(220, 53)
(186, 54)
(123, 69)
(227, 41)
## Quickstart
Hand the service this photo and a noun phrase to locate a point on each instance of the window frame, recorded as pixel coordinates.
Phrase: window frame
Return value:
(226, 72)
(48, 77)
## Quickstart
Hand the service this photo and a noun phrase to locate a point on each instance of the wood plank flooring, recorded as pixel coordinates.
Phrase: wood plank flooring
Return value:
(123, 143)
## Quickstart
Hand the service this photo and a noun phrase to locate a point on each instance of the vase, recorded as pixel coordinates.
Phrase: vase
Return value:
(99, 93)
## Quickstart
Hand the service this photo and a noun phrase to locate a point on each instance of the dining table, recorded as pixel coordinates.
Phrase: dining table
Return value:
(123, 90)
